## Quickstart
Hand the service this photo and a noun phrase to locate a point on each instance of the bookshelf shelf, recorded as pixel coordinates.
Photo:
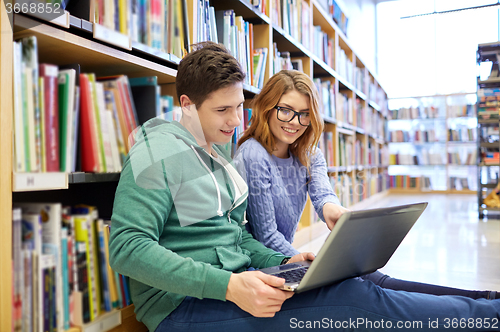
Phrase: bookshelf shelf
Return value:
(321, 68)
(39, 181)
(243, 8)
(286, 43)
(153, 52)
(374, 105)
(251, 89)
(63, 20)
(81, 177)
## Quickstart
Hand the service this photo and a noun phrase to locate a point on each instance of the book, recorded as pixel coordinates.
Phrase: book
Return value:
(89, 146)
(105, 283)
(47, 299)
(51, 243)
(75, 158)
(18, 270)
(106, 138)
(67, 94)
(51, 121)
(101, 158)
(85, 266)
(65, 277)
(32, 112)
(19, 160)
(113, 290)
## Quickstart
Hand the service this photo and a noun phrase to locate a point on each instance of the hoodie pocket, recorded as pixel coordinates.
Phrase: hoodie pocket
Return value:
(232, 260)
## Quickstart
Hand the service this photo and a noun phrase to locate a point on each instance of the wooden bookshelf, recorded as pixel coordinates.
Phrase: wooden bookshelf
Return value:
(5, 170)
(63, 46)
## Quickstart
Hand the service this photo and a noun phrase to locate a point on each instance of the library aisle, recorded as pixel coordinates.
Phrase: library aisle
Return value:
(448, 245)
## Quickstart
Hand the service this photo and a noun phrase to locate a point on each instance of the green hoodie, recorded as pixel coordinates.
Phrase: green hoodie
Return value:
(178, 222)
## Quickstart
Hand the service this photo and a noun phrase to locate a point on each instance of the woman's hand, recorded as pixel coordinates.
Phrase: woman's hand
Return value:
(304, 256)
(332, 213)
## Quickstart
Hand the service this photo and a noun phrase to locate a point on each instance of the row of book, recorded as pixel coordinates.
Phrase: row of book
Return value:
(417, 136)
(360, 157)
(237, 35)
(464, 158)
(294, 18)
(353, 189)
(488, 107)
(345, 109)
(323, 46)
(372, 155)
(457, 111)
(62, 276)
(326, 91)
(378, 154)
(333, 9)
(326, 144)
(159, 24)
(45, 111)
(459, 183)
(346, 143)
(423, 158)
(360, 114)
(283, 61)
(376, 123)
(344, 65)
(426, 157)
(359, 79)
(432, 112)
(462, 135)
(376, 94)
(410, 182)
(67, 121)
(420, 112)
(490, 158)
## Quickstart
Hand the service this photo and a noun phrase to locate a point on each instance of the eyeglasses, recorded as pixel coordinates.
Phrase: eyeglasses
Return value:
(286, 114)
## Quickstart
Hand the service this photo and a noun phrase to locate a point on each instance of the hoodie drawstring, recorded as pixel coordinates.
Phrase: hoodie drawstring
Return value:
(219, 211)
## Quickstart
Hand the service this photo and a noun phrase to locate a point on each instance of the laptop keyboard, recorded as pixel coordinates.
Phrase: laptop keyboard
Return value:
(293, 275)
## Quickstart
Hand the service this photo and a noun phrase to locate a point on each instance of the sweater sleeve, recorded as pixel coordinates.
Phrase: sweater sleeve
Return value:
(319, 187)
(139, 214)
(260, 210)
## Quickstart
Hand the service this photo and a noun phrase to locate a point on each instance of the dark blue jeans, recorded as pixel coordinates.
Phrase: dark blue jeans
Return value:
(384, 281)
(352, 305)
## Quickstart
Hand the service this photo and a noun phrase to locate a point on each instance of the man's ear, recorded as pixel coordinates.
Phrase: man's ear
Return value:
(186, 105)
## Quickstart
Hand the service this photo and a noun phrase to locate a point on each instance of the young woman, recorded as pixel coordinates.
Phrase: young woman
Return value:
(278, 156)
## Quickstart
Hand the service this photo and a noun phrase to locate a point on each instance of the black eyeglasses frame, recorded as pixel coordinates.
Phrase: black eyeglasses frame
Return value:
(295, 114)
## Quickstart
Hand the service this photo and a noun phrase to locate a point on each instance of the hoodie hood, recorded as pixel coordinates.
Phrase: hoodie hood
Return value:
(188, 171)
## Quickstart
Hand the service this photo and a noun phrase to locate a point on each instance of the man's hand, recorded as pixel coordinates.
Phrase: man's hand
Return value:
(305, 256)
(332, 213)
(256, 293)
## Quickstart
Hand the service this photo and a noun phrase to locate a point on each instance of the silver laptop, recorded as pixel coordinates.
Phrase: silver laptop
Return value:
(360, 243)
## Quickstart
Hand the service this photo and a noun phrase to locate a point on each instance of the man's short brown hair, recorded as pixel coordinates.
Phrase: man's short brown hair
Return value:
(208, 68)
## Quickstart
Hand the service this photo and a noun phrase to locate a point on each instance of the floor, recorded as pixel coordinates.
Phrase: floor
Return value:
(447, 246)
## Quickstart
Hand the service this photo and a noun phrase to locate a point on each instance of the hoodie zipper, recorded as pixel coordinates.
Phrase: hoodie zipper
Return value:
(219, 210)
(234, 206)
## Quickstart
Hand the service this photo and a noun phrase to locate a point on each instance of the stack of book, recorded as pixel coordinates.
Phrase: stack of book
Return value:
(488, 103)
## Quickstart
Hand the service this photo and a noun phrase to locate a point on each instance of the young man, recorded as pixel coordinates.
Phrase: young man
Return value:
(178, 231)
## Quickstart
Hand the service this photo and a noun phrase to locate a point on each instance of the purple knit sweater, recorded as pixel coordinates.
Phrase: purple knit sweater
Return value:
(277, 193)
